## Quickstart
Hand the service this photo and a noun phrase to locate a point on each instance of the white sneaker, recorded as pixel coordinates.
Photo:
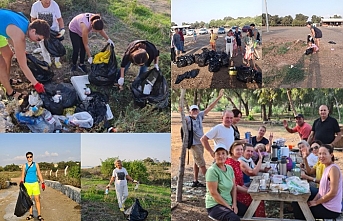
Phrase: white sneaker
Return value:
(37, 51)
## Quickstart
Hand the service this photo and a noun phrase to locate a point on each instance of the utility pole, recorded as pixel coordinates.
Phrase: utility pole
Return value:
(267, 23)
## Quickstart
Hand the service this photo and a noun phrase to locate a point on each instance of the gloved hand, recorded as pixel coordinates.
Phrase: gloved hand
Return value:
(156, 66)
(121, 81)
(110, 42)
(39, 88)
(90, 60)
(21, 182)
(61, 33)
(43, 186)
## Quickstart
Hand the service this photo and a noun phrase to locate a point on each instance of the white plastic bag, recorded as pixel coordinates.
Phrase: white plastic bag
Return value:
(297, 186)
(81, 119)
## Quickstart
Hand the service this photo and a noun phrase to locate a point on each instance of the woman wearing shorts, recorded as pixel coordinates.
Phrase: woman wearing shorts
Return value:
(29, 173)
(316, 33)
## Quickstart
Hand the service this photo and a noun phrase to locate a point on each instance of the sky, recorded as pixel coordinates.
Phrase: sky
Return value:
(205, 10)
(320, 8)
(126, 146)
(45, 147)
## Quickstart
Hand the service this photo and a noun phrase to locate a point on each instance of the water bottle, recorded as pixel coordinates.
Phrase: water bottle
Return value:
(136, 186)
(106, 191)
(283, 166)
(48, 117)
(25, 119)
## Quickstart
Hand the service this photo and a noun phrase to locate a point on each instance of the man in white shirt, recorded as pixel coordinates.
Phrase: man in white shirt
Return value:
(222, 133)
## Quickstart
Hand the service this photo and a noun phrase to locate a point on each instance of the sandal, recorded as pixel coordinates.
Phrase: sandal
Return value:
(20, 97)
(15, 81)
(30, 217)
(40, 218)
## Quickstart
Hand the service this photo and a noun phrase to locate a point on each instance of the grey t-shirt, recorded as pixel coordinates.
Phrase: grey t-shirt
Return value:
(198, 131)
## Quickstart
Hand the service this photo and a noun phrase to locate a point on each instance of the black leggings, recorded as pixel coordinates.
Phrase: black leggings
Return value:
(172, 54)
(318, 212)
(78, 46)
(222, 213)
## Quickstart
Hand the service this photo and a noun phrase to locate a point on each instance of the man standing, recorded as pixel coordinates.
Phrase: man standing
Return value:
(256, 38)
(316, 33)
(197, 116)
(49, 11)
(325, 128)
(238, 37)
(303, 128)
(222, 133)
(182, 40)
(213, 39)
(176, 42)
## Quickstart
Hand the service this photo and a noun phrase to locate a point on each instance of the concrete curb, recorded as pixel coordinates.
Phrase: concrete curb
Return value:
(72, 192)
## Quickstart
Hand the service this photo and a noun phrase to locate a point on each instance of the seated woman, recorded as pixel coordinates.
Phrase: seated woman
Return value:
(305, 148)
(261, 139)
(248, 167)
(260, 147)
(327, 203)
(236, 151)
(221, 195)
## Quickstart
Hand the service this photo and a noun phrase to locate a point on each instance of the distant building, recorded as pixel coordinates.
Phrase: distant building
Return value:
(332, 21)
(156, 160)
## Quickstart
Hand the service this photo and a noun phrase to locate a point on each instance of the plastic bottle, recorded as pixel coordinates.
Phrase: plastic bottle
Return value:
(136, 186)
(106, 191)
(48, 117)
(25, 119)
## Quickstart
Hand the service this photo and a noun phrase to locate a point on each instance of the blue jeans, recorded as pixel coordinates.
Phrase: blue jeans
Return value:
(142, 69)
(182, 46)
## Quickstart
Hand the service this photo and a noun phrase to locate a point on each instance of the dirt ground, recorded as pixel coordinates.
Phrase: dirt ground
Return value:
(206, 79)
(55, 205)
(192, 207)
(321, 70)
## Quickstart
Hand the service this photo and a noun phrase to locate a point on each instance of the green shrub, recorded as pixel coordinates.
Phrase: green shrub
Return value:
(74, 172)
(250, 117)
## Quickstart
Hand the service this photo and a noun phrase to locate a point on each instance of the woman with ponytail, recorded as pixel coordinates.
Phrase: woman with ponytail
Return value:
(141, 53)
(79, 28)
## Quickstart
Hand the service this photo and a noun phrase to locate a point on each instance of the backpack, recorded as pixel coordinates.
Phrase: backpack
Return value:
(190, 138)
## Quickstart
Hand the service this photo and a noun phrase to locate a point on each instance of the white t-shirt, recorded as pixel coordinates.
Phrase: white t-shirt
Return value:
(120, 176)
(221, 134)
(229, 39)
(49, 14)
(312, 159)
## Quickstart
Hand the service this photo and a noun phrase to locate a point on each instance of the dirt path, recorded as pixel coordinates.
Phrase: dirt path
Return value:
(206, 79)
(193, 206)
(320, 70)
(55, 205)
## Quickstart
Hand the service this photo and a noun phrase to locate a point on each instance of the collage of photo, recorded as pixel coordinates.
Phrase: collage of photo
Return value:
(171, 110)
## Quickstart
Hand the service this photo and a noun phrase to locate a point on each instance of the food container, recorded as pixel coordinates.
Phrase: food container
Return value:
(232, 71)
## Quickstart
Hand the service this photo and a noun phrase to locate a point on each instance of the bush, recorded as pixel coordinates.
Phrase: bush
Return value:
(250, 117)
(107, 166)
(137, 170)
(74, 172)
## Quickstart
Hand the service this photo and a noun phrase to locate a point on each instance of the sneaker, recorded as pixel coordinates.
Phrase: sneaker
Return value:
(197, 184)
(83, 68)
(58, 64)
(73, 67)
(49, 63)
(122, 209)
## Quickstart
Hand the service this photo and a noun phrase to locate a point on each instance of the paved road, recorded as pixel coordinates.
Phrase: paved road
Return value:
(55, 205)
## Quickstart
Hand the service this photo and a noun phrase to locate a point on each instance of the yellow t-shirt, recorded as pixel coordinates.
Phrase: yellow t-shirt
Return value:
(213, 37)
(319, 170)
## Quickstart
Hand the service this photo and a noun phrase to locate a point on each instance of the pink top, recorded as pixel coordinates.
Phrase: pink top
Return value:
(74, 24)
(315, 47)
(324, 187)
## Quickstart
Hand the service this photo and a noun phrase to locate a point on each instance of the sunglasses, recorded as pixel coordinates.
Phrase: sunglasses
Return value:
(315, 147)
(29, 157)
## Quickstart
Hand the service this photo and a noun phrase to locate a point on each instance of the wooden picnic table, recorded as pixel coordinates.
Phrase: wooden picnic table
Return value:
(275, 195)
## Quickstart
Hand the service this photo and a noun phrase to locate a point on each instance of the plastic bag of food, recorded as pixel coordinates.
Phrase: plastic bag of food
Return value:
(297, 186)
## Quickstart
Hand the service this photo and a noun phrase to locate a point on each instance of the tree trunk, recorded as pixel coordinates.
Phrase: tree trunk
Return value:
(264, 112)
(339, 113)
(199, 98)
(270, 110)
(195, 96)
(245, 104)
(231, 101)
(289, 93)
(183, 149)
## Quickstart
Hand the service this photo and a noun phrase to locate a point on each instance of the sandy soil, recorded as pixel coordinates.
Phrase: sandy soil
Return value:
(193, 206)
(206, 79)
(322, 70)
(55, 205)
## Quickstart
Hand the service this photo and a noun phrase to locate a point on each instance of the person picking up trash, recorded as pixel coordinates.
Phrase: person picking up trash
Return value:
(120, 177)
(79, 28)
(16, 26)
(141, 53)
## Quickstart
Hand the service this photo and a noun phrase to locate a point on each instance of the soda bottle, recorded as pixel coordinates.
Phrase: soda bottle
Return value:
(106, 191)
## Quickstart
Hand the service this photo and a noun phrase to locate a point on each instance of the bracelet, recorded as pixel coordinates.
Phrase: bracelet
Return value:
(62, 29)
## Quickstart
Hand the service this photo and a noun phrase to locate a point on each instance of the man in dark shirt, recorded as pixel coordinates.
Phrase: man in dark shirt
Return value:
(238, 37)
(325, 128)
(182, 40)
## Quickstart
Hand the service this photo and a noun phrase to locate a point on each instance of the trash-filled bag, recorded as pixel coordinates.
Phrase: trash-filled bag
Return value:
(244, 74)
(136, 212)
(297, 186)
(214, 65)
(54, 46)
(104, 74)
(151, 87)
(188, 74)
(24, 201)
(40, 69)
(181, 62)
(81, 119)
(66, 92)
(95, 105)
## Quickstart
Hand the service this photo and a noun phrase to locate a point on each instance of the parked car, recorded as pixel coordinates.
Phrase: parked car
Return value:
(221, 30)
(233, 28)
(245, 28)
(190, 31)
(203, 31)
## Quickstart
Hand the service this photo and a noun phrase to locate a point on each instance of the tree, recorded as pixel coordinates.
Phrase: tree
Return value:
(107, 166)
(287, 20)
(316, 19)
(137, 170)
(173, 24)
(336, 16)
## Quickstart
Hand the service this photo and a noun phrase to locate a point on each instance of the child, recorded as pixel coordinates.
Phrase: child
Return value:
(312, 48)
(120, 177)
(229, 41)
(194, 36)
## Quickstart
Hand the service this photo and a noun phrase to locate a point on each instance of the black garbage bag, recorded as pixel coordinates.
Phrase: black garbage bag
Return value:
(159, 89)
(95, 105)
(202, 60)
(54, 46)
(181, 62)
(257, 77)
(24, 201)
(188, 74)
(244, 74)
(214, 65)
(190, 59)
(67, 92)
(196, 58)
(104, 74)
(309, 51)
(136, 212)
(40, 69)
(212, 54)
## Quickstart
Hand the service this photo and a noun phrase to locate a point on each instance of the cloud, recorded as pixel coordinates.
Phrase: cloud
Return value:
(47, 154)
(19, 158)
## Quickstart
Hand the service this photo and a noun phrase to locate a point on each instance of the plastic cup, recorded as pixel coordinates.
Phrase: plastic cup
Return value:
(290, 146)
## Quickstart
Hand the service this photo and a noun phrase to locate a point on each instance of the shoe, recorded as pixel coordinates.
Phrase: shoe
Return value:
(258, 59)
(197, 184)
(49, 63)
(37, 51)
(122, 209)
(83, 68)
(58, 64)
(73, 67)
